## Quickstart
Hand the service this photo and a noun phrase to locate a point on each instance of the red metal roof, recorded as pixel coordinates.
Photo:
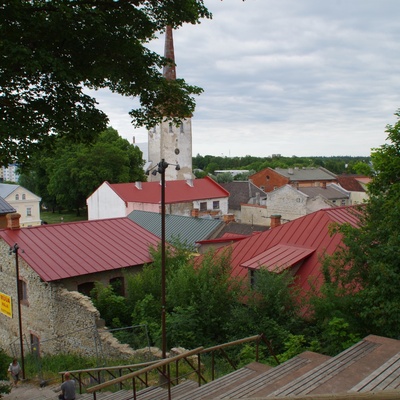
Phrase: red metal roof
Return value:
(309, 232)
(278, 258)
(178, 191)
(66, 250)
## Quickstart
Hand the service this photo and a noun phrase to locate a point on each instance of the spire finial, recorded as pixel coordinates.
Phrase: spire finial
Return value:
(169, 71)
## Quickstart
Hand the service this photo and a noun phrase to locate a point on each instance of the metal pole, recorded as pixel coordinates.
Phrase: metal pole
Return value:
(163, 277)
(21, 342)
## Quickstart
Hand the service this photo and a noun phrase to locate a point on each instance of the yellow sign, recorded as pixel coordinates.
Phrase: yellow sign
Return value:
(5, 305)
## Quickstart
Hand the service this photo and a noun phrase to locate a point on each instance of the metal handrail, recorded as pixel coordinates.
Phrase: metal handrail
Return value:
(162, 364)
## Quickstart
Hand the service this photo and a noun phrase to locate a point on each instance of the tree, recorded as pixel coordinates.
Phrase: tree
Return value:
(363, 280)
(102, 44)
(71, 172)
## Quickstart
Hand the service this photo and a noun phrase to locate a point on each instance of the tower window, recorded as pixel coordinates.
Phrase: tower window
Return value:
(181, 128)
(170, 127)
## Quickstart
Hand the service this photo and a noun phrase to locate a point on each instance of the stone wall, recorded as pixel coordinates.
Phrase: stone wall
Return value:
(62, 321)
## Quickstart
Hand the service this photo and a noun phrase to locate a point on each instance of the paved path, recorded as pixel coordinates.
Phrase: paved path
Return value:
(30, 391)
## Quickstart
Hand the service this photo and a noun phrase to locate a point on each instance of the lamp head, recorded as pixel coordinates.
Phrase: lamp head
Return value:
(154, 172)
(177, 168)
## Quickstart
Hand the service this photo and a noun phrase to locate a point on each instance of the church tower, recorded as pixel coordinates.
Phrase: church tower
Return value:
(166, 140)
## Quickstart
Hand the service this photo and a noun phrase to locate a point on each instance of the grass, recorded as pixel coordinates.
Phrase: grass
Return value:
(64, 216)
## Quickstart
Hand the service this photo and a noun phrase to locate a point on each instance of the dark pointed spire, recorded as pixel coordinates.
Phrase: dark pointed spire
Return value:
(169, 70)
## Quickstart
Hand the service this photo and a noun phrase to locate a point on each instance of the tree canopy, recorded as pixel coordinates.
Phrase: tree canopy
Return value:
(65, 177)
(363, 280)
(50, 51)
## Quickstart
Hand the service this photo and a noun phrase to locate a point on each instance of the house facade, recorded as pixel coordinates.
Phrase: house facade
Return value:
(182, 197)
(25, 203)
(57, 266)
(271, 179)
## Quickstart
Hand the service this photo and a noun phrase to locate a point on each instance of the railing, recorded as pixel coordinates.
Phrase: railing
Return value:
(163, 367)
(139, 373)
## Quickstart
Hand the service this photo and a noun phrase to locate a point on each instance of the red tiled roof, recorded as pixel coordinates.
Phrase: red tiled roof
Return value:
(352, 183)
(309, 232)
(278, 258)
(178, 191)
(66, 250)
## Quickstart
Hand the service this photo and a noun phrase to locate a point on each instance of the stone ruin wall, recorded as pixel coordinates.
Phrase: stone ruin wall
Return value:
(64, 321)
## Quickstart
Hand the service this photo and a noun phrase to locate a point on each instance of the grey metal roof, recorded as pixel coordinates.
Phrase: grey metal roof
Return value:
(332, 192)
(241, 192)
(6, 208)
(306, 174)
(6, 189)
(187, 230)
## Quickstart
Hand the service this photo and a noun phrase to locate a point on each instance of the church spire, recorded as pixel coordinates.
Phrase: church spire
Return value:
(169, 70)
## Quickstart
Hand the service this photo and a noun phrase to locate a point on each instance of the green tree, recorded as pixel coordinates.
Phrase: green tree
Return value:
(102, 44)
(362, 281)
(71, 172)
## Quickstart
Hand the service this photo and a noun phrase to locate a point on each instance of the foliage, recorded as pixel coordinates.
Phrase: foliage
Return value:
(113, 308)
(335, 164)
(45, 69)
(67, 175)
(5, 387)
(205, 292)
(363, 280)
(5, 361)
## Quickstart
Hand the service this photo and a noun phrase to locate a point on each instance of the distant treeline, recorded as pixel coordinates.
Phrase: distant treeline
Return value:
(335, 164)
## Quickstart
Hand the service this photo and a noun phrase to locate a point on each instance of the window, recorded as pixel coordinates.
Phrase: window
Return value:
(24, 197)
(29, 212)
(170, 127)
(86, 288)
(181, 128)
(23, 292)
(118, 285)
(343, 202)
(253, 277)
(216, 205)
(203, 206)
(17, 197)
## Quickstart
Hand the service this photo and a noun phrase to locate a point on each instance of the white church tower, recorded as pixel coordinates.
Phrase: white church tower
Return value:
(167, 141)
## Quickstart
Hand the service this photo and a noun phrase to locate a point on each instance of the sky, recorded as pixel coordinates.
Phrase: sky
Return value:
(289, 77)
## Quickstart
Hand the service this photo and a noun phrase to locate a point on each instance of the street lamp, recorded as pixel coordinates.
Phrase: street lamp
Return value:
(14, 250)
(161, 167)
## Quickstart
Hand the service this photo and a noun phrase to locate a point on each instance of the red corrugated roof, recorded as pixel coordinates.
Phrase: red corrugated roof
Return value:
(309, 232)
(278, 258)
(179, 191)
(72, 249)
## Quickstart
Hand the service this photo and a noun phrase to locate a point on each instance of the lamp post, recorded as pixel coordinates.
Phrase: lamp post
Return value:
(15, 249)
(161, 167)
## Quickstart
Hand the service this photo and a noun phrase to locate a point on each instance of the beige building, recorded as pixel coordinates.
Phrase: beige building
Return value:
(25, 203)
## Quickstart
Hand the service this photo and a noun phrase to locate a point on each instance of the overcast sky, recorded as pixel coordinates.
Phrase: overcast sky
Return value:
(294, 77)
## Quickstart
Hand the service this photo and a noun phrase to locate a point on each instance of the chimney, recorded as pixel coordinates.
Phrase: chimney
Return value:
(189, 182)
(228, 218)
(258, 198)
(275, 220)
(13, 221)
(138, 185)
(195, 212)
